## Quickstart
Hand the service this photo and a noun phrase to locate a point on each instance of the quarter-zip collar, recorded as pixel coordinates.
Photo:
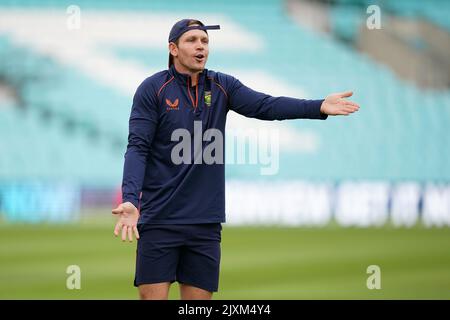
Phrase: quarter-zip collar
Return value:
(185, 79)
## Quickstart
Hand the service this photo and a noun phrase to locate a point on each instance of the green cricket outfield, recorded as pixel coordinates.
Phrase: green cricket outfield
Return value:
(257, 262)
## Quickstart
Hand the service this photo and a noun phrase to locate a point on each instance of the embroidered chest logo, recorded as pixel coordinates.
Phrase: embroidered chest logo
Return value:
(172, 105)
(208, 98)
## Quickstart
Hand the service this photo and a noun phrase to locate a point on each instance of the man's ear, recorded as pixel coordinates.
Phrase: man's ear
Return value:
(173, 49)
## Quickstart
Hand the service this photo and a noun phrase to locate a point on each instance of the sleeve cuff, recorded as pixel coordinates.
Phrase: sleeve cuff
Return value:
(134, 201)
(317, 104)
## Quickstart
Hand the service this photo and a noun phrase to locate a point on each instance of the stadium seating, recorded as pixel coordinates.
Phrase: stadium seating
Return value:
(70, 126)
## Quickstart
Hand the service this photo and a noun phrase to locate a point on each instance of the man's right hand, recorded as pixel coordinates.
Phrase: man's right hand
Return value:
(127, 222)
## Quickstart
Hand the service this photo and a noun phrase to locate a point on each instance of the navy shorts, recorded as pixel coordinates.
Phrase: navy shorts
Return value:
(187, 253)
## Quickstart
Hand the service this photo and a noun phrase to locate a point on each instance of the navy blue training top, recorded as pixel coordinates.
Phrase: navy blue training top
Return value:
(189, 193)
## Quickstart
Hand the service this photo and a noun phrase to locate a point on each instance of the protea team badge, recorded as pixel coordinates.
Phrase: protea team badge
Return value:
(208, 98)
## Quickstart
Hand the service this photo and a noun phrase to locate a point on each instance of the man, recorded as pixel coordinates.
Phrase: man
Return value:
(182, 205)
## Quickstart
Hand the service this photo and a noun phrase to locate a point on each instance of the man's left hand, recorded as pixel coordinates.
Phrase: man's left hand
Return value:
(335, 104)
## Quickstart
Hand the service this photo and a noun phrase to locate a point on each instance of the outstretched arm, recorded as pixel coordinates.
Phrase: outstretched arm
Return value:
(254, 104)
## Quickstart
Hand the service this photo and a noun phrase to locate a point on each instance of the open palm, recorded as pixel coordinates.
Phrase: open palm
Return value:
(127, 222)
(335, 104)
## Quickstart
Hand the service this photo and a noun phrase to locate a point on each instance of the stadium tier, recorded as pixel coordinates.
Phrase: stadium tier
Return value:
(73, 90)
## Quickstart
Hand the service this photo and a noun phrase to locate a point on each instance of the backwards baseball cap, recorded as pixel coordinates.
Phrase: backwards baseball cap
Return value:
(183, 26)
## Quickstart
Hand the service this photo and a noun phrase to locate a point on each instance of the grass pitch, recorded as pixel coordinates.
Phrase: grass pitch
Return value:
(257, 262)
